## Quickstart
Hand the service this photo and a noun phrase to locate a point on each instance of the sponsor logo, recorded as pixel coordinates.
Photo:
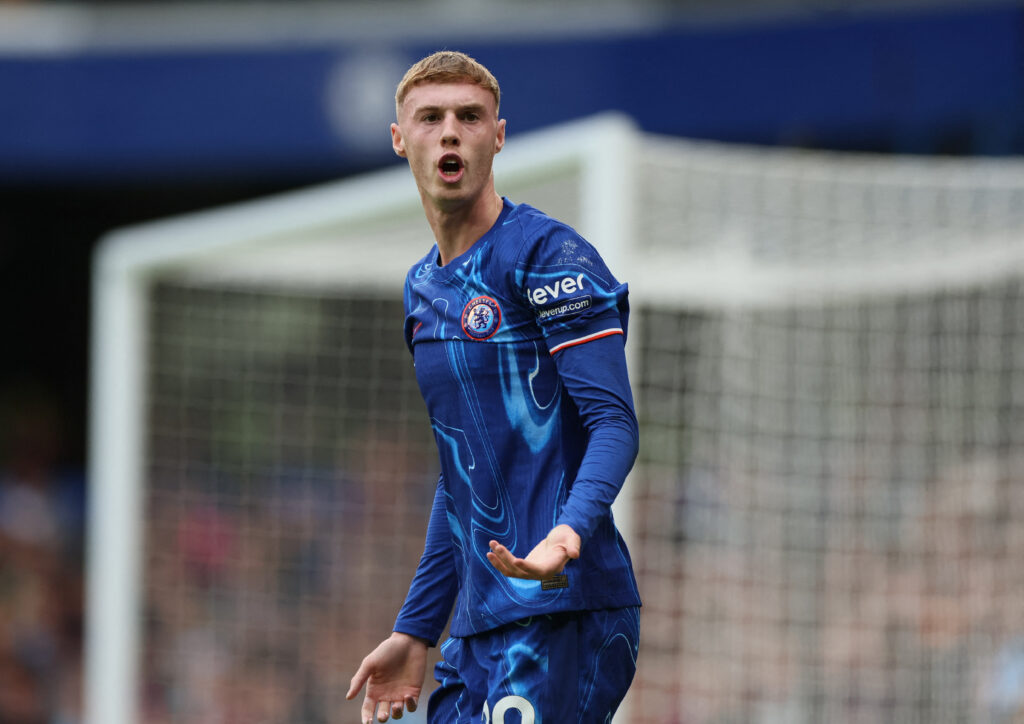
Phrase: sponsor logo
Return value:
(481, 318)
(570, 306)
(552, 292)
(559, 581)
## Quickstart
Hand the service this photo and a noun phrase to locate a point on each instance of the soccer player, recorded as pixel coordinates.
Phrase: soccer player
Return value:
(516, 328)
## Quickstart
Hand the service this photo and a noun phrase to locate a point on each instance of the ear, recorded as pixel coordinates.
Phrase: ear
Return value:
(397, 142)
(499, 140)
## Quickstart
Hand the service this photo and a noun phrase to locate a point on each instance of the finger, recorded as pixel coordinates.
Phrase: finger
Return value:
(498, 564)
(549, 565)
(505, 557)
(368, 710)
(383, 711)
(411, 704)
(505, 562)
(557, 561)
(497, 561)
(500, 557)
(396, 710)
(513, 568)
(565, 539)
(357, 682)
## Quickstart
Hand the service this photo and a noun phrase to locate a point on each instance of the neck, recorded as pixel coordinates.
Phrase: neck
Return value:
(456, 228)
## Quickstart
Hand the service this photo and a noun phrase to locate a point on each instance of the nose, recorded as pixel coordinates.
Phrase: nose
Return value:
(450, 130)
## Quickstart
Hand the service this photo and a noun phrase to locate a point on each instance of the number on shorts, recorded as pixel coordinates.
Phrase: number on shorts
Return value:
(525, 709)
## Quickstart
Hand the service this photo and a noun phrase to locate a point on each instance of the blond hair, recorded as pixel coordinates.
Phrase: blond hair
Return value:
(447, 66)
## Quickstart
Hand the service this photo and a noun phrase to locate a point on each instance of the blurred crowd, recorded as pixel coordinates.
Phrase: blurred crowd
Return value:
(42, 517)
(264, 593)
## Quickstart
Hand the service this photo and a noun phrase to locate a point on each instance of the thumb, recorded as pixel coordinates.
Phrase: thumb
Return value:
(569, 540)
(572, 549)
(357, 681)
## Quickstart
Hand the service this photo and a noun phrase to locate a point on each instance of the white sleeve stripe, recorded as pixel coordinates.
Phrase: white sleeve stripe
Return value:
(587, 338)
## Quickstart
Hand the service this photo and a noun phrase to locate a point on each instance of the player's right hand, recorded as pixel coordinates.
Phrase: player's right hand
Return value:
(393, 674)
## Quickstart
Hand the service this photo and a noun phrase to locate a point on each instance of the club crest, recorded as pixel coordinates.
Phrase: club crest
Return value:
(481, 318)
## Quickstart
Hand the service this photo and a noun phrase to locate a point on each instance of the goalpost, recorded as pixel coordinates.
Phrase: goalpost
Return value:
(827, 354)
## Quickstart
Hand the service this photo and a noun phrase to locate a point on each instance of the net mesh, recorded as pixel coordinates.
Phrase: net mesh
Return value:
(828, 498)
(830, 488)
(289, 465)
(829, 512)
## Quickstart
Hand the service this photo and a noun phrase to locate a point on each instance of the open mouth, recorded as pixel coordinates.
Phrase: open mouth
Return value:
(450, 166)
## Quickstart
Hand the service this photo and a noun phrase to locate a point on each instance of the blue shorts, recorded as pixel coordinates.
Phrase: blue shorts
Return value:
(557, 668)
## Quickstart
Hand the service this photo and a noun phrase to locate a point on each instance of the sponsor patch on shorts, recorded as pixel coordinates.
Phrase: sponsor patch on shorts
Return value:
(567, 308)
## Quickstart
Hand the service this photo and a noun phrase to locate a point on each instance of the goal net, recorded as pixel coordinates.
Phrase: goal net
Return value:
(827, 355)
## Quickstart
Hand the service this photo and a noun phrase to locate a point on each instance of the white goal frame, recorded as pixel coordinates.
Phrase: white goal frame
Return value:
(130, 259)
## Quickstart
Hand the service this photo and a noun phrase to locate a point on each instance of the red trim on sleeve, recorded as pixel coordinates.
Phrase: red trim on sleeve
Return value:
(585, 339)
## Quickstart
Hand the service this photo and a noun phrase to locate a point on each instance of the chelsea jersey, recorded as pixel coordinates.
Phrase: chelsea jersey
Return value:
(517, 345)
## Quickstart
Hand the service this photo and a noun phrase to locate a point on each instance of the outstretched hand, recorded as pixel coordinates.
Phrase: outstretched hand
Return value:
(393, 673)
(548, 558)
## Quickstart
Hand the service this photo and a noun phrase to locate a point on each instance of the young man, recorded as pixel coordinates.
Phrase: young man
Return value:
(517, 330)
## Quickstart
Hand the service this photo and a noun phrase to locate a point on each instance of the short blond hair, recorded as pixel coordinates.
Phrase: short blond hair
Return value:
(447, 66)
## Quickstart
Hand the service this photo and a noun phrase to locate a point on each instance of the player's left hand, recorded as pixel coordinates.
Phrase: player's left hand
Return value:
(548, 558)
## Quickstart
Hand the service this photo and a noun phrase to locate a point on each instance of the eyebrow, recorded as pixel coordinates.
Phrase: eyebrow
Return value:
(477, 107)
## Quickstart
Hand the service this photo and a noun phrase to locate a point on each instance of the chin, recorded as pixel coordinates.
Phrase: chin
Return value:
(452, 194)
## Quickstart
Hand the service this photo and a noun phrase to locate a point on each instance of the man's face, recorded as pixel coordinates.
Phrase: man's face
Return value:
(449, 132)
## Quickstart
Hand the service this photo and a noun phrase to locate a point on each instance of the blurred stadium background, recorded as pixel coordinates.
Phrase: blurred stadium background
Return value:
(831, 504)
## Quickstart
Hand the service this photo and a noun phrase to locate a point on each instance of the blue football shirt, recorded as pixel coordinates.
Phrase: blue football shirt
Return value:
(518, 349)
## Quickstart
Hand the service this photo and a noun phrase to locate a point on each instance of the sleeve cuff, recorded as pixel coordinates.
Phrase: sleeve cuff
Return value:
(421, 632)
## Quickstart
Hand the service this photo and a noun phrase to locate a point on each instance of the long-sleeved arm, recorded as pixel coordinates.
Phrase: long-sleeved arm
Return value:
(596, 378)
(434, 586)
